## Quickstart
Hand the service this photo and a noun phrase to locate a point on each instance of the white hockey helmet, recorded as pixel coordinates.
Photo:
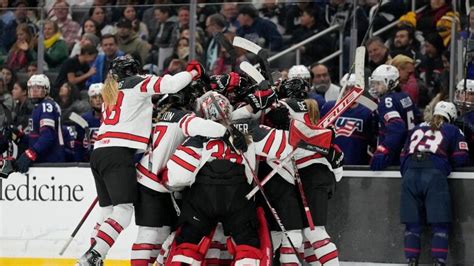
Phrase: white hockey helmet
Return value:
(446, 110)
(464, 97)
(39, 80)
(383, 79)
(348, 81)
(299, 71)
(95, 89)
(206, 106)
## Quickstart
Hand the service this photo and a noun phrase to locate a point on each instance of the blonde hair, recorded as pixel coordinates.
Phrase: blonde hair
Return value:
(400, 61)
(436, 122)
(313, 110)
(110, 91)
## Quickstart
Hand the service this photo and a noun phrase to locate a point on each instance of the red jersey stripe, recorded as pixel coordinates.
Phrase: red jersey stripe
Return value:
(183, 163)
(282, 145)
(144, 84)
(147, 173)
(156, 86)
(122, 135)
(269, 143)
(190, 152)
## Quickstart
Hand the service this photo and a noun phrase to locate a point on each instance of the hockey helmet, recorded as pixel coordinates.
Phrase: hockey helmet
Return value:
(95, 89)
(446, 110)
(206, 106)
(348, 80)
(296, 88)
(383, 79)
(124, 66)
(464, 97)
(186, 98)
(40, 81)
(299, 71)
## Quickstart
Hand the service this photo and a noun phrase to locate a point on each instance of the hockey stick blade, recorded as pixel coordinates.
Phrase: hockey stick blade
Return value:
(246, 45)
(253, 73)
(359, 67)
(74, 117)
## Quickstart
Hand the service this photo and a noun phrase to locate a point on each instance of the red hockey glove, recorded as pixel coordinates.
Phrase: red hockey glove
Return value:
(226, 82)
(26, 159)
(195, 65)
(260, 100)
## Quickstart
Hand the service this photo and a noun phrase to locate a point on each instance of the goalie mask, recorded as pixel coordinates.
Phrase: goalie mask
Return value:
(446, 110)
(383, 79)
(38, 88)
(295, 88)
(124, 66)
(299, 71)
(206, 106)
(464, 97)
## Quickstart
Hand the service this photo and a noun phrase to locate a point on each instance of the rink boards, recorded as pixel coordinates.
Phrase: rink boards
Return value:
(39, 211)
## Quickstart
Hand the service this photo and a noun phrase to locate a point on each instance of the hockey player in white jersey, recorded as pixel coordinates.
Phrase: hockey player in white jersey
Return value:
(154, 211)
(125, 129)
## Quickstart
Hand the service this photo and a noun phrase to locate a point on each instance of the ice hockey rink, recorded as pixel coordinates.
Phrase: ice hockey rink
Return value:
(38, 213)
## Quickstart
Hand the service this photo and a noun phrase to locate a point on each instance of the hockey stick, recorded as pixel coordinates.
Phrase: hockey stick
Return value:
(256, 50)
(220, 38)
(309, 217)
(74, 117)
(257, 181)
(79, 226)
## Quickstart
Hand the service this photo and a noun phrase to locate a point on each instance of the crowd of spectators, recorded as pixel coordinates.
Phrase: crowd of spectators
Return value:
(82, 37)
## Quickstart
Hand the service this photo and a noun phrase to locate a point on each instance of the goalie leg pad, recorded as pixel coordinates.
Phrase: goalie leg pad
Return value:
(111, 228)
(165, 249)
(187, 253)
(287, 254)
(324, 249)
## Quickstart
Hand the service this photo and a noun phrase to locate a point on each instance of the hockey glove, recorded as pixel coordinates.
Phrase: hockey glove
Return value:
(335, 156)
(6, 168)
(381, 159)
(26, 159)
(195, 65)
(260, 100)
(233, 137)
(227, 82)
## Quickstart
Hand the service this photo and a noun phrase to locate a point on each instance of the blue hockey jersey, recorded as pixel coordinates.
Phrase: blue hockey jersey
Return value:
(467, 127)
(397, 115)
(447, 146)
(354, 132)
(45, 136)
(84, 144)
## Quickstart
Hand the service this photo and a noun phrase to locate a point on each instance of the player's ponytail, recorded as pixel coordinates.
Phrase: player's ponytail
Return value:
(110, 91)
(313, 110)
(436, 122)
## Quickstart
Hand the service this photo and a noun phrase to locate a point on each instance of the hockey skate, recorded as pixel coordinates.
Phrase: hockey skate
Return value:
(437, 262)
(90, 258)
(412, 262)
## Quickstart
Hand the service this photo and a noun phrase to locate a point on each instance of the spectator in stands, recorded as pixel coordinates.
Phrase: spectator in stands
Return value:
(32, 69)
(5, 96)
(23, 107)
(22, 51)
(69, 102)
(431, 66)
(55, 48)
(87, 38)
(97, 14)
(76, 70)
(9, 77)
(149, 18)
(426, 20)
(274, 12)
(6, 18)
(129, 42)
(138, 27)
(258, 30)
(183, 24)
(322, 82)
(230, 13)
(214, 24)
(20, 17)
(340, 12)
(166, 37)
(110, 51)
(388, 12)
(90, 26)
(407, 79)
(69, 28)
(315, 50)
(404, 43)
(378, 53)
(176, 66)
(444, 24)
(469, 35)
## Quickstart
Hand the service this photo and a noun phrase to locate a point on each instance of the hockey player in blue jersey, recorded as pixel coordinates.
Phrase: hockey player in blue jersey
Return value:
(396, 114)
(45, 139)
(85, 138)
(464, 100)
(430, 152)
(355, 128)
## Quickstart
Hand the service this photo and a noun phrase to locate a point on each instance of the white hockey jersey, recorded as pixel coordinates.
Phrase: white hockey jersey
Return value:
(128, 123)
(170, 131)
(196, 152)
